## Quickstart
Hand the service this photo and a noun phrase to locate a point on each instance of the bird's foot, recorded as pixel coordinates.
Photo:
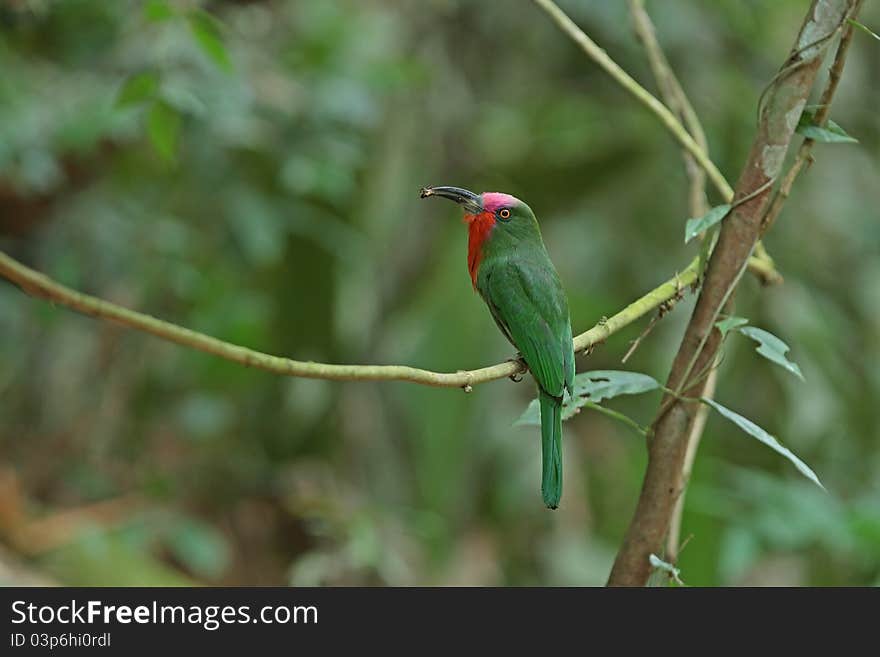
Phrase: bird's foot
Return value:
(516, 377)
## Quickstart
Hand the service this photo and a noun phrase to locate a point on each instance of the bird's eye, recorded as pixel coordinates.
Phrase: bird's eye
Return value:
(504, 213)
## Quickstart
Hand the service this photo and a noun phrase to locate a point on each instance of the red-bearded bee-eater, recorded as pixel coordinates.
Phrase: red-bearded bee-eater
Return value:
(511, 270)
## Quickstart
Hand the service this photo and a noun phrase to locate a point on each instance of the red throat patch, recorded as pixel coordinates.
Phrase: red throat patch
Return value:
(479, 228)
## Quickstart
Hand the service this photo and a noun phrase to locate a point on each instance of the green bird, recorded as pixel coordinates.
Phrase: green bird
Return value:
(511, 270)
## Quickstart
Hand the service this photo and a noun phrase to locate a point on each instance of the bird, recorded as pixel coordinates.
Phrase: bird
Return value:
(511, 270)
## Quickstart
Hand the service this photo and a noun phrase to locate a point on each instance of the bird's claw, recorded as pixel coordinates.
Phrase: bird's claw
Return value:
(516, 377)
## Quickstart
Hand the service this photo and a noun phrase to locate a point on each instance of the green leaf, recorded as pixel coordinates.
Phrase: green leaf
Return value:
(830, 133)
(772, 348)
(163, 126)
(599, 385)
(206, 30)
(531, 416)
(757, 432)
(864, 28)
(769, 346)
(158, 10)
(730, 323)
(138, 88)
(590, 388)
(695, 226)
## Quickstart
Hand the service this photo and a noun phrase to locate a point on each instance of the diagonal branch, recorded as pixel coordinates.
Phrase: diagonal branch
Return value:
(737, 239)
(43, 287)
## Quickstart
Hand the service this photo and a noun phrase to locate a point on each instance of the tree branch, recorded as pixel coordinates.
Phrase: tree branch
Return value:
(41, 286)
(760, 264)
(739, 234)
(804, 154)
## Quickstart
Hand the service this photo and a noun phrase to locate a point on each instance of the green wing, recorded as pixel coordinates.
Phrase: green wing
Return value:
(528, 303)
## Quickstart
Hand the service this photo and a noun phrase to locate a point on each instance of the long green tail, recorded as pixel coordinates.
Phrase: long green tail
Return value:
(551, 449)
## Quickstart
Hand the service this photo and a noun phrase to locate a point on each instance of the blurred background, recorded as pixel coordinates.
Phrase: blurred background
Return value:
(251, 170)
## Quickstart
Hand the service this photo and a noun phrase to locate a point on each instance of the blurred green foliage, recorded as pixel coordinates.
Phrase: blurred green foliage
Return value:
(250, 169)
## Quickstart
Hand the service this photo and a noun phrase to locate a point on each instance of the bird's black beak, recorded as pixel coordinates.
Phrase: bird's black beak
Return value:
(472, 203)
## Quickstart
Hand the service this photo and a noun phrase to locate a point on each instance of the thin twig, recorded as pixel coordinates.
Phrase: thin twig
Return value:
(673, 94)
(676, 99)
(41, 286)
(665, 308)
(672, 538)
(635, 343)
